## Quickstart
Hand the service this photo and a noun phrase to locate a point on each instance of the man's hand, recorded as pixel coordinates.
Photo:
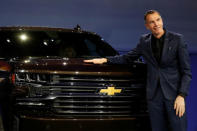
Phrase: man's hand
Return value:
(179, 106)
(97, 61)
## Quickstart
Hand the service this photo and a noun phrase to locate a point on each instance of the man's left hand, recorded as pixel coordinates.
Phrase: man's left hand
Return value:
(179, 106)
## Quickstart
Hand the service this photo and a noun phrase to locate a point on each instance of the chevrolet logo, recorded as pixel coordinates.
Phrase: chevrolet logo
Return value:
(110, 91)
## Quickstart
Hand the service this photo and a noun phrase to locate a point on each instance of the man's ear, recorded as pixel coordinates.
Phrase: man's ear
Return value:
(146, 26)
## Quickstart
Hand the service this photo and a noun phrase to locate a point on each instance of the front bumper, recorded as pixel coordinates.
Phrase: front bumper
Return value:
(51, 124)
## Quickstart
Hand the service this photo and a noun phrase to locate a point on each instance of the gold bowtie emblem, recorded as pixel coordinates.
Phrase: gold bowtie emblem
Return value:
(110, 91)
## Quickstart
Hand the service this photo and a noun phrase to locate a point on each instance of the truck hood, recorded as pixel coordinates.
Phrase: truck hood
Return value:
(62, 65)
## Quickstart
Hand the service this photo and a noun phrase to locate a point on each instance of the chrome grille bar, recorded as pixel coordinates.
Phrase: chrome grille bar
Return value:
(91, 107)
(71, 101)
(95, 112)
(97, 80)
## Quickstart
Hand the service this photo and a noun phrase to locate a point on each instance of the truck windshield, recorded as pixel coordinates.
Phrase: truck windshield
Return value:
(52, 43)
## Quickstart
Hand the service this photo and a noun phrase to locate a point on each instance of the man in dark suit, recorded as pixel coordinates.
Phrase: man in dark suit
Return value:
(168, 76)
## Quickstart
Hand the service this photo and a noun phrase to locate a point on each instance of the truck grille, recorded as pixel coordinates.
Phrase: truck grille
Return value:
(79, 96)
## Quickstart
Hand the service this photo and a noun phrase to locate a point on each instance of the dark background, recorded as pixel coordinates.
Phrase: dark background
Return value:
(119, 22)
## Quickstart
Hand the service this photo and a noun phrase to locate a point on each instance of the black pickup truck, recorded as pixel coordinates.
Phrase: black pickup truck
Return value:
(52, 89)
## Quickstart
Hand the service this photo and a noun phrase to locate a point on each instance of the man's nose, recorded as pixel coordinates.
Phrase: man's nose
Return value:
(156, 23)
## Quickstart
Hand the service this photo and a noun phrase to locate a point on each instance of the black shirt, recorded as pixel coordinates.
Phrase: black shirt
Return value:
(157, 47)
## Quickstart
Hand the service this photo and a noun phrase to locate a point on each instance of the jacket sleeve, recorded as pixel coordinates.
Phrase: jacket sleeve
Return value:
(126, 58)
(185, 68)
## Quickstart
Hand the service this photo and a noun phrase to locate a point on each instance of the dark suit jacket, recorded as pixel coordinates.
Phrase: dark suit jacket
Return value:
(174, 71)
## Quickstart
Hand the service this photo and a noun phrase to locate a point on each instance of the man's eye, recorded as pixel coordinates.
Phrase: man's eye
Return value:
(151, 22)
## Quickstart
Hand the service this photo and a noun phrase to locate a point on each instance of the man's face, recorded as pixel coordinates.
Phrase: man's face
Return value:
(154, 23)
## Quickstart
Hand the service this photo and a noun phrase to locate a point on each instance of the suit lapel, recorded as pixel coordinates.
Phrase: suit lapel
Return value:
(166, 47)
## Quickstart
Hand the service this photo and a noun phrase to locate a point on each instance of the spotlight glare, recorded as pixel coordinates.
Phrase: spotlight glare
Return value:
(23, 37)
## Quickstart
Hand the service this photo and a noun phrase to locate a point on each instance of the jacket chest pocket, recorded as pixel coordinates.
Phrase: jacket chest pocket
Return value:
(171, 53)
